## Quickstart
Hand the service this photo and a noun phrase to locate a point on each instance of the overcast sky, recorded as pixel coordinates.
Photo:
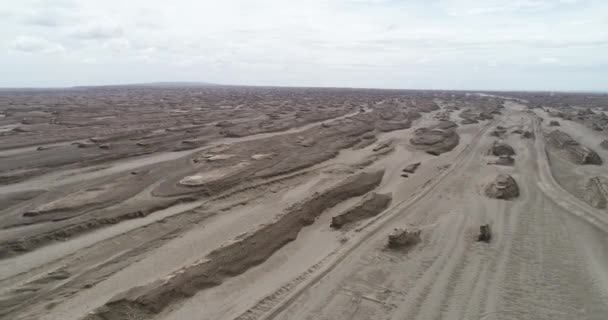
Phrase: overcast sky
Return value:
(435, 44)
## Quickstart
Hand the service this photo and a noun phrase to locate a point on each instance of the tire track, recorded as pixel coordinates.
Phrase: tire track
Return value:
(375, 225)
(555, 192)
(442, 267)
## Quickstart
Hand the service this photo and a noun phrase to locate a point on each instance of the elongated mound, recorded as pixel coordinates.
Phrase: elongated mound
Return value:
(411, 168)
(370, 206)
(596, 192)
(233, 258)
(575, 152)
(503, 187)
(437, 139)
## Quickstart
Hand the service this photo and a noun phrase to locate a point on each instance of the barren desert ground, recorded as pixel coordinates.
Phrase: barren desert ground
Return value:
(251, 203)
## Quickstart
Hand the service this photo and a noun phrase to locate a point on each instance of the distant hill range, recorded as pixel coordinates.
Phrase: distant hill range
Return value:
(153, 85)
(116, 86)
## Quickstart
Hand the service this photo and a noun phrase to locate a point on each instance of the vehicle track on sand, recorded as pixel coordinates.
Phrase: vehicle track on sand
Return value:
(264, 311)
(559, 195)
(542, 262)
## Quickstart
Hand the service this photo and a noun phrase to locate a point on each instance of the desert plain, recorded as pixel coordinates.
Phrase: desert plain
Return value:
(228, 202)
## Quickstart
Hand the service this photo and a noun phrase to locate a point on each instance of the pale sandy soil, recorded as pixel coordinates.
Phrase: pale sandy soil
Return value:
(570, 176)
(544, 262)
(548, 258)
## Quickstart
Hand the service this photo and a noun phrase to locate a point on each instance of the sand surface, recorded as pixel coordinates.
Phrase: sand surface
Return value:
(236, 222)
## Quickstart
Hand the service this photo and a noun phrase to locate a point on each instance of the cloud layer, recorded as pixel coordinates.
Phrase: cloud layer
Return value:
(452, 44)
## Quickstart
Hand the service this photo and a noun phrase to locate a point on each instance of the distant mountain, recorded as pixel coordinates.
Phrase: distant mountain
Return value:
(153, 85)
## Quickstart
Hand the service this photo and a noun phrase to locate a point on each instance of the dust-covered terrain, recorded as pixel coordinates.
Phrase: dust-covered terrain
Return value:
(221, 202)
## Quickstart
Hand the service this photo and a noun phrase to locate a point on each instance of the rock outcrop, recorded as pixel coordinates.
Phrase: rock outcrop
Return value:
(576, 152)
(485, 233)
(370, 206)
(446, 124)
(499, 132)
(437, 139)
(596, 192)
(503, 187)
(412, 167)
(527, 135)
(233, 258)
(504, 161)
(502, 149)
(402, 238)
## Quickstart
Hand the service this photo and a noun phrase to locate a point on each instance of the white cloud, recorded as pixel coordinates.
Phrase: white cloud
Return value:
(89, 60)
(312, 42)
(35, 45)
(98, 31)
(49, 17)
(118, 45)
(548, 60)
(44, 21)
(486, 7)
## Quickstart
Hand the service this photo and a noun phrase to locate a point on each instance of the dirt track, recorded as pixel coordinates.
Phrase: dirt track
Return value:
(82, 238)
(451, 276)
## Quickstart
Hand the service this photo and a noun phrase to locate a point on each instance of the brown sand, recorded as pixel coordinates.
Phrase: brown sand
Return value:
(112, 231)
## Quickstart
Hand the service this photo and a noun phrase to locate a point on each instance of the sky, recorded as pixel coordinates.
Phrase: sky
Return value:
(410, 44)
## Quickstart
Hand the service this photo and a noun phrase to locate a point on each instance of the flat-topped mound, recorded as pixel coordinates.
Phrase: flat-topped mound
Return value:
(436, 139)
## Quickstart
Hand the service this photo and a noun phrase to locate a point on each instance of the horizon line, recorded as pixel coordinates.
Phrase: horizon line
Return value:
(167, 84)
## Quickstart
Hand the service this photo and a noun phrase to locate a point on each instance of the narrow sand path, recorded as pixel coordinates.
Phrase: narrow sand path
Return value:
(534, 268)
